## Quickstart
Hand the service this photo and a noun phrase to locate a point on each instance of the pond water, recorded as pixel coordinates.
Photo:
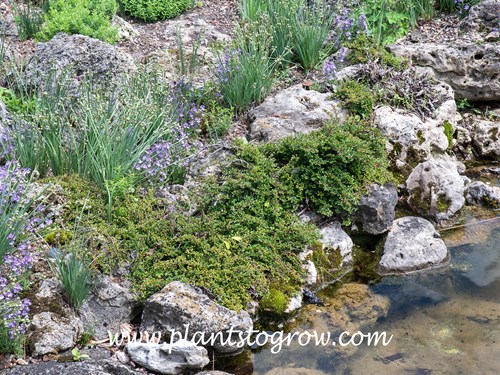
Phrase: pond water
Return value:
(445, 321)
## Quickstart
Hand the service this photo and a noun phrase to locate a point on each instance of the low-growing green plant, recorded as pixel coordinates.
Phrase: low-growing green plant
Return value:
(87, 17)
(275, 300)
(77, 356)
(217, 121)
(331, 168)
(385, 22)
(155, 10)
(363, 49)
(242, 237)
(448, 131)
(14, 103)
(463, 104)
(10, 345)
(356, 97)
(118, 187)
(416, 10)
(28, 20)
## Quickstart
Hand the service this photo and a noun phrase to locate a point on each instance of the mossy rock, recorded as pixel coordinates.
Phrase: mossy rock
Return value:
(274, 301)
(327, 262)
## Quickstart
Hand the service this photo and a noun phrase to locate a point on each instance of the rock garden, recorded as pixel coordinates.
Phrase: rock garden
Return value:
(219, 164)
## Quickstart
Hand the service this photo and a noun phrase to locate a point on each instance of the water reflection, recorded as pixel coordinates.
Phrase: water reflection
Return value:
(446, 321)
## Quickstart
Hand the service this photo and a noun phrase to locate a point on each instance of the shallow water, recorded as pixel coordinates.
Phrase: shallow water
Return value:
(445, 321)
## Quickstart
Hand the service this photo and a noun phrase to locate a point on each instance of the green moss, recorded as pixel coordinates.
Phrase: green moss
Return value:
(274, 301)
(420, 201)
(420, 137)
(448, 131)
(415, 155)
(356, 97)
(494, 133)
(442, 204)
(327, 263)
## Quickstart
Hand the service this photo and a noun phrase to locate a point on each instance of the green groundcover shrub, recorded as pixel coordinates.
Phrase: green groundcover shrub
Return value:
(244, 237)
(331, 168)
(240, 239)
(155, 10)
(86, 17)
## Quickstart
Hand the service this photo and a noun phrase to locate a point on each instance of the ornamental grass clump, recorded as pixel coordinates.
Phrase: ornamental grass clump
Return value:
(310, 29)
(245, 72)
(102, 134)
(28, 20)
(72, 270)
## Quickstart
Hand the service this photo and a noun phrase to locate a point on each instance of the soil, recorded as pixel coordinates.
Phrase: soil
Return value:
(219, 13)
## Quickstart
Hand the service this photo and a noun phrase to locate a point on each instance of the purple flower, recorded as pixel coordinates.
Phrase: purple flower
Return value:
(329, 70)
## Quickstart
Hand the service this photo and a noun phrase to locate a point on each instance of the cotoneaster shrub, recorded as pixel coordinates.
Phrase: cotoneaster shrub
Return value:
(86, 17)
(155, 10)
(242, 238)
(331, 168)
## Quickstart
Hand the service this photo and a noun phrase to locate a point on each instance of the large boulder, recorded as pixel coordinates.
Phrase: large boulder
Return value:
(292, 111)
(412, 139)
(484, 16)
(411, 245)
(436, 189)
(186, 310)
(52, 333)
(481, 194)
(377, 208)
(80, 54)
(470, 69)
(180, 357)
(109, 304)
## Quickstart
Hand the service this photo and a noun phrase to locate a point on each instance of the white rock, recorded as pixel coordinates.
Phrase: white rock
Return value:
(180, 357)
(411, 245)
